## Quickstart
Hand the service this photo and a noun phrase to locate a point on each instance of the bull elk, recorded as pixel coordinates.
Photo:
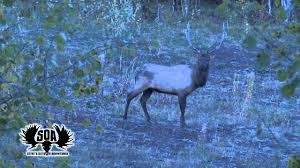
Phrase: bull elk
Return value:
(179, 80)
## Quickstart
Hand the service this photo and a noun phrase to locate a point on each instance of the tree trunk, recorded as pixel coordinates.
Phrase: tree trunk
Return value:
(177, 5)
(270, 7)
(147, 14)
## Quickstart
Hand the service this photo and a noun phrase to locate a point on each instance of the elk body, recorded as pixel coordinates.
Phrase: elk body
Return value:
(179, 80)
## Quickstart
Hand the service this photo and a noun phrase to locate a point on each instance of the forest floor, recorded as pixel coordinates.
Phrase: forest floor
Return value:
(220, 132)
(234, 121)
(223, 128)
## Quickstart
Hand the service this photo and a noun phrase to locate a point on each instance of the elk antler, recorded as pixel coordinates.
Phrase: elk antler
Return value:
(211, 49)
(217, 46)
(188, 38)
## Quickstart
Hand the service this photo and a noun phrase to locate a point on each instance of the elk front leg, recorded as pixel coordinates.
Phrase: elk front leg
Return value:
(182, 104)
(146, 95)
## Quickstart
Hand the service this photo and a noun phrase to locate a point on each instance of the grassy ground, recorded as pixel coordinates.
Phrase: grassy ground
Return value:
(228, 119)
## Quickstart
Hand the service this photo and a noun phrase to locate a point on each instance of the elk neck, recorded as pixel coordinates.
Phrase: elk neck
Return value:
(200, 71)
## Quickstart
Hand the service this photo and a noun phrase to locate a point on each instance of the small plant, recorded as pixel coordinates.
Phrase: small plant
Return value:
(294, 162)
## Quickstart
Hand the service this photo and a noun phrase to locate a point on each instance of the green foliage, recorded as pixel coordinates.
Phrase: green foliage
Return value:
(127, 51)
(294, 28)
(70, 28)
(6, 163)
(280, 51)
(288, 90)
(1, 162)
(78, 73)
(277, 3)
(26, 13)
(282, 75)
(40, 41)
(50, 22)
(68, 106)
(65, 1)
(298, 39)
(251, 7)
(13, 153)
(291, 79)
(296, 66)
(86, 123)
(99, 80)
(155, 43)
(2, 17)
(286, 63)
(223, 9)
(5, 87)
(294, 162)
(38, 68)
(277, 34)
(124, 51)
(286, 73)
(8, 3)
(250, 41)
(32, 63)
(263, 61)
(60, 42)
(11, 77)
(62, 162)
(100, 130)
(281, 14)
(132, 52)
(6, 35)
(28, 164)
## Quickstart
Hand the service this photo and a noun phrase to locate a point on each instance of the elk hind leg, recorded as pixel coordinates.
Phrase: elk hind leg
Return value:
(146, 95)
(139, 87)
(130, 96)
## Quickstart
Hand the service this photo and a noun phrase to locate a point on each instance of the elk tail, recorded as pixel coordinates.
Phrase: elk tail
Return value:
(138, 72)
